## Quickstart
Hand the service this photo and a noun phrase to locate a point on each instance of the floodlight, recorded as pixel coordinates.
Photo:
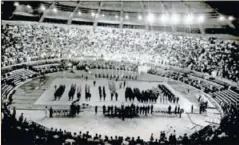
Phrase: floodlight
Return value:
(139, 17)
(221, 18)
(16, 4)
(54, 10)
(201, 18)
(164, 18)
(43, 8)
(175, 18)
(189, 18)
(150, 17)
(126, 17)
(231, 18)
(29, 7)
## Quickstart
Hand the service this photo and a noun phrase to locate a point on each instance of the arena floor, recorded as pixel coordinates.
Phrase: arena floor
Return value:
(32, 97)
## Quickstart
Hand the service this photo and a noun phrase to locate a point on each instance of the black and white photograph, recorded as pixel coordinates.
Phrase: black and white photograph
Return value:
(117, 72)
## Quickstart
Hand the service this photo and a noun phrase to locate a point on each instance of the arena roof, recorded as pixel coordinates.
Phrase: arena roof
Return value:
(178, 16)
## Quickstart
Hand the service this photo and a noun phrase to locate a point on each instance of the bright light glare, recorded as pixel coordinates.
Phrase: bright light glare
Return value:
(221, 18)
(116, 16)
(126, 17)
(150, 17)
(164, 18)
(189, 18)
(43, 8)
(28, 6)
(175, 18)
(79, 13)
(201, 18)
(92, 14)
(139, 17)
(54, 10)
(16, 4)
(231, 18)
(103, 15)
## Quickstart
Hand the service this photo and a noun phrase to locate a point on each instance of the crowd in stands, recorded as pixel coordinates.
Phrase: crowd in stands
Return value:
(24, 42)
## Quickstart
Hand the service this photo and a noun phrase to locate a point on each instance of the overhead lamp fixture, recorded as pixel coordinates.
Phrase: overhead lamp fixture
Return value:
(54, 10)
(92, 14)
(29, 7)
(126, 17)
(150, 17)
(221, 18)
(189, 18)
(231, 18)
(201, 19)
(139, 17)
(175, 18)
(16, 4)
(43, 8)
(164, 18)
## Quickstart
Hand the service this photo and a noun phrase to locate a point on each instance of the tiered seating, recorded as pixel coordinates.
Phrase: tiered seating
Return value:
(14, 78)
(203, 54)
(226, 97)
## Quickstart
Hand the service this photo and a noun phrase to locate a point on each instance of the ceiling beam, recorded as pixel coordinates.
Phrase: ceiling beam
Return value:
(45, 12)
(166, 9)
(73, 13)
(214, 10)
(202, 30)
(145, 15)
(98, 13)
(121, 14)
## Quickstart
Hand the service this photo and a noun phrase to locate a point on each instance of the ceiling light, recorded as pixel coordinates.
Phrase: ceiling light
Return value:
(221, 18)
(126, 17)
(164, 18)
(28, 6)
(201, 18)
(139, 17)
(16, 4)
(150, 17)
(54, 10)
(43, 8)
(175, 18)
(92, 14)
(189, 18)
(231, 18)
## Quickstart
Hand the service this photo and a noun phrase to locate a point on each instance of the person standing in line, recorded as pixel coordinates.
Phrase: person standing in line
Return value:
(46, 112)
(192, 109)
(21, 118)
(50, 112)
(96, 109)
(116, 96)
(14, 112)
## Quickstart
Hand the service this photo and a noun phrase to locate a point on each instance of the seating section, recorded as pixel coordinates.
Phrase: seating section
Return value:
(28, 42)
(226, 97)
(14, 78)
